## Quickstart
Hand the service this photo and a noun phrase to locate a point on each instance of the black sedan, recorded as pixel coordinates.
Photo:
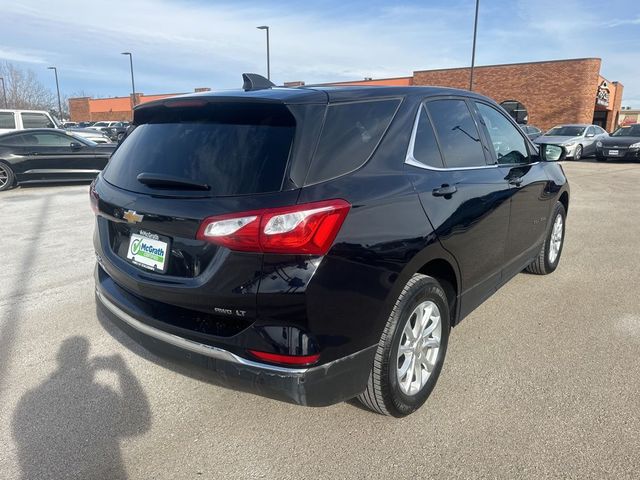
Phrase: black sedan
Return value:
(624, 143)
(48, 155)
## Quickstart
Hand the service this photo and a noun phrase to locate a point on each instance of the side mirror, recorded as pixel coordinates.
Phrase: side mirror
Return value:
(75, 146)
(552, 153)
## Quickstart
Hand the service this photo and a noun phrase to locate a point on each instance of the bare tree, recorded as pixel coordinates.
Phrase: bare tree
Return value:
(24, 90)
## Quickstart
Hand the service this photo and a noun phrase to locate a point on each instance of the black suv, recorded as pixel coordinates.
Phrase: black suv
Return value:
(316, 244)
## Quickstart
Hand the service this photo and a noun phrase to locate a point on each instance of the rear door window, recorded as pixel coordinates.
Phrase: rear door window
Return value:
(7, 120)
(235, 149)
(350, 134)
(36, 120)
(457, 133)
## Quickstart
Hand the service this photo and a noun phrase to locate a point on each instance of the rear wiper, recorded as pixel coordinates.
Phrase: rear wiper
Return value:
(168, 181)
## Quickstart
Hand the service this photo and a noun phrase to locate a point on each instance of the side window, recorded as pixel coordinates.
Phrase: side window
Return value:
(13, 140)
(457, 133)
(591, 131)
(52, 140)
(425, 146)
(36, 120)
(350, 133)
(7, 120)
(508, 143)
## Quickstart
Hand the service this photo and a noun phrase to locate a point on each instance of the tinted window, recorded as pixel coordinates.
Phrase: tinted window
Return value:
(11, 140)
(566, 131)
(508, 144)
(350, 134)
(36, 120)
(7, 120)
(425, 146)
(591, 131)
(457, 133)
(46, 139)
(234, 148)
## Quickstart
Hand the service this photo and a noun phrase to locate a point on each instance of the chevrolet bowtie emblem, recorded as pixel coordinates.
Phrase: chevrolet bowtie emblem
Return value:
(132, 216)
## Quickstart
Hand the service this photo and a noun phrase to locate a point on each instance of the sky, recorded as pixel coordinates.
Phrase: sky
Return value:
(180, 45)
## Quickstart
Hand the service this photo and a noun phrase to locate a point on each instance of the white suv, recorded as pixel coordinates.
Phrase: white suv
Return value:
(11, 120)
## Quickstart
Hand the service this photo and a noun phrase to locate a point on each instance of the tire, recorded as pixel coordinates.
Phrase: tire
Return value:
(7, 177)
(601, 159)
(578, 154)
(545, 262)
(386, 391)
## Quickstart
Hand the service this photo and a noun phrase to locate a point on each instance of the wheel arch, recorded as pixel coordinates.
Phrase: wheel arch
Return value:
(564, 200)
(435, 262)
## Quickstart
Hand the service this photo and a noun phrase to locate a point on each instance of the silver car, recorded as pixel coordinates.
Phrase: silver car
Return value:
(579, 140)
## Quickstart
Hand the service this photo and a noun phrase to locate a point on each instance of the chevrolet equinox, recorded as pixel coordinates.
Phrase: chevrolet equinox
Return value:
(316, 244)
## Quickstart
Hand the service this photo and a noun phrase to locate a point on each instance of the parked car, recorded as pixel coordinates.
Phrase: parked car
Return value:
(85, 124)
(623, 143)
(579, 140)
(531, 131)
(11, 120)
(90, 134)
(316, 244)
(117, 131)
(69, 125)
(49, 155)
(103, 125)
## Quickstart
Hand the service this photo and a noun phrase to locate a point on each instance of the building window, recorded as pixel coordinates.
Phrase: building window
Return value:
(517, 111)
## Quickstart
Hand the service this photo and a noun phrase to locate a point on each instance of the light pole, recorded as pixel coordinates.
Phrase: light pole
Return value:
(4, 92)
(133, 84)
(473, 52)
(55, 70)
(266, 27)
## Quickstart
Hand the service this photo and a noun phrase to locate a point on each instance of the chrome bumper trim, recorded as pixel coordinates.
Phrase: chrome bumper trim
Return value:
(190, 345)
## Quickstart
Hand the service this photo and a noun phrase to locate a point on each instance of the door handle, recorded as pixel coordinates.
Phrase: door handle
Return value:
(517, 181)
(444, 190)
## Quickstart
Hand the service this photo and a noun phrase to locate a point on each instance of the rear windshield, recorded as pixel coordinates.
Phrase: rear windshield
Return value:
(234, 149)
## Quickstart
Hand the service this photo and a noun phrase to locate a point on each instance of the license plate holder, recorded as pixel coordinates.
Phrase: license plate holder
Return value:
(149, 251)
(614, 153)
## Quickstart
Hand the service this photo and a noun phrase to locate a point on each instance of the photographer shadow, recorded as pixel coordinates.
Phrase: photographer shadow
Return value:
(70, 426)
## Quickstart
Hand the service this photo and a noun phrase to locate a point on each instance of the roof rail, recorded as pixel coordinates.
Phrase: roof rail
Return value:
(253, 81)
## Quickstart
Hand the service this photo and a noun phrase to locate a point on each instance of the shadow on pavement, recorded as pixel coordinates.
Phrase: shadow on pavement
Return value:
(70, 426)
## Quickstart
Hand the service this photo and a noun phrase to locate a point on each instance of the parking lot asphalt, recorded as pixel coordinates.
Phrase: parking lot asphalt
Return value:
(543, 380)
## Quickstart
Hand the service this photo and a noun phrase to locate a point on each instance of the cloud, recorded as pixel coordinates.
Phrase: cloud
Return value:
(180, 45)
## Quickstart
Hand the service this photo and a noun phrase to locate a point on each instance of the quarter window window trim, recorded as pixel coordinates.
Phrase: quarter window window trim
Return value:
(411, 160)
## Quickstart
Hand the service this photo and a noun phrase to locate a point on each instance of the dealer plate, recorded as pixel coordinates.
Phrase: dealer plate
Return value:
(148, 252)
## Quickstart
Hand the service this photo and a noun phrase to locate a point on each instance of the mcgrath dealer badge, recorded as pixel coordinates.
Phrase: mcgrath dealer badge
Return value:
(147, 252)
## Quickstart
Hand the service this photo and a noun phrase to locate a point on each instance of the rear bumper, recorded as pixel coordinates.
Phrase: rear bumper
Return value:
(321, 385)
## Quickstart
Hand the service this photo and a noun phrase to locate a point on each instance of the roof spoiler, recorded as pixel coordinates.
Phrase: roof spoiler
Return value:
(253, 81)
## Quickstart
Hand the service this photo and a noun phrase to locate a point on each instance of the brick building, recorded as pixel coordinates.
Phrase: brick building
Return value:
(543, 94)
(86, 109)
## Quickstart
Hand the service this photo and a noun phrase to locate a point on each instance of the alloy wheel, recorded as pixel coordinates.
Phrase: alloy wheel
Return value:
(556, 239)
(419, 347)
(4, 176)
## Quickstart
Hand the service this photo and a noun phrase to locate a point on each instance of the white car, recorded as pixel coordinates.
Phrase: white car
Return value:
(11, 120)
(102, 125)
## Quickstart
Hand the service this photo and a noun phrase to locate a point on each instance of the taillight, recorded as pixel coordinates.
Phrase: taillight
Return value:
(285, 359)
(93, 198)
(309, 228)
